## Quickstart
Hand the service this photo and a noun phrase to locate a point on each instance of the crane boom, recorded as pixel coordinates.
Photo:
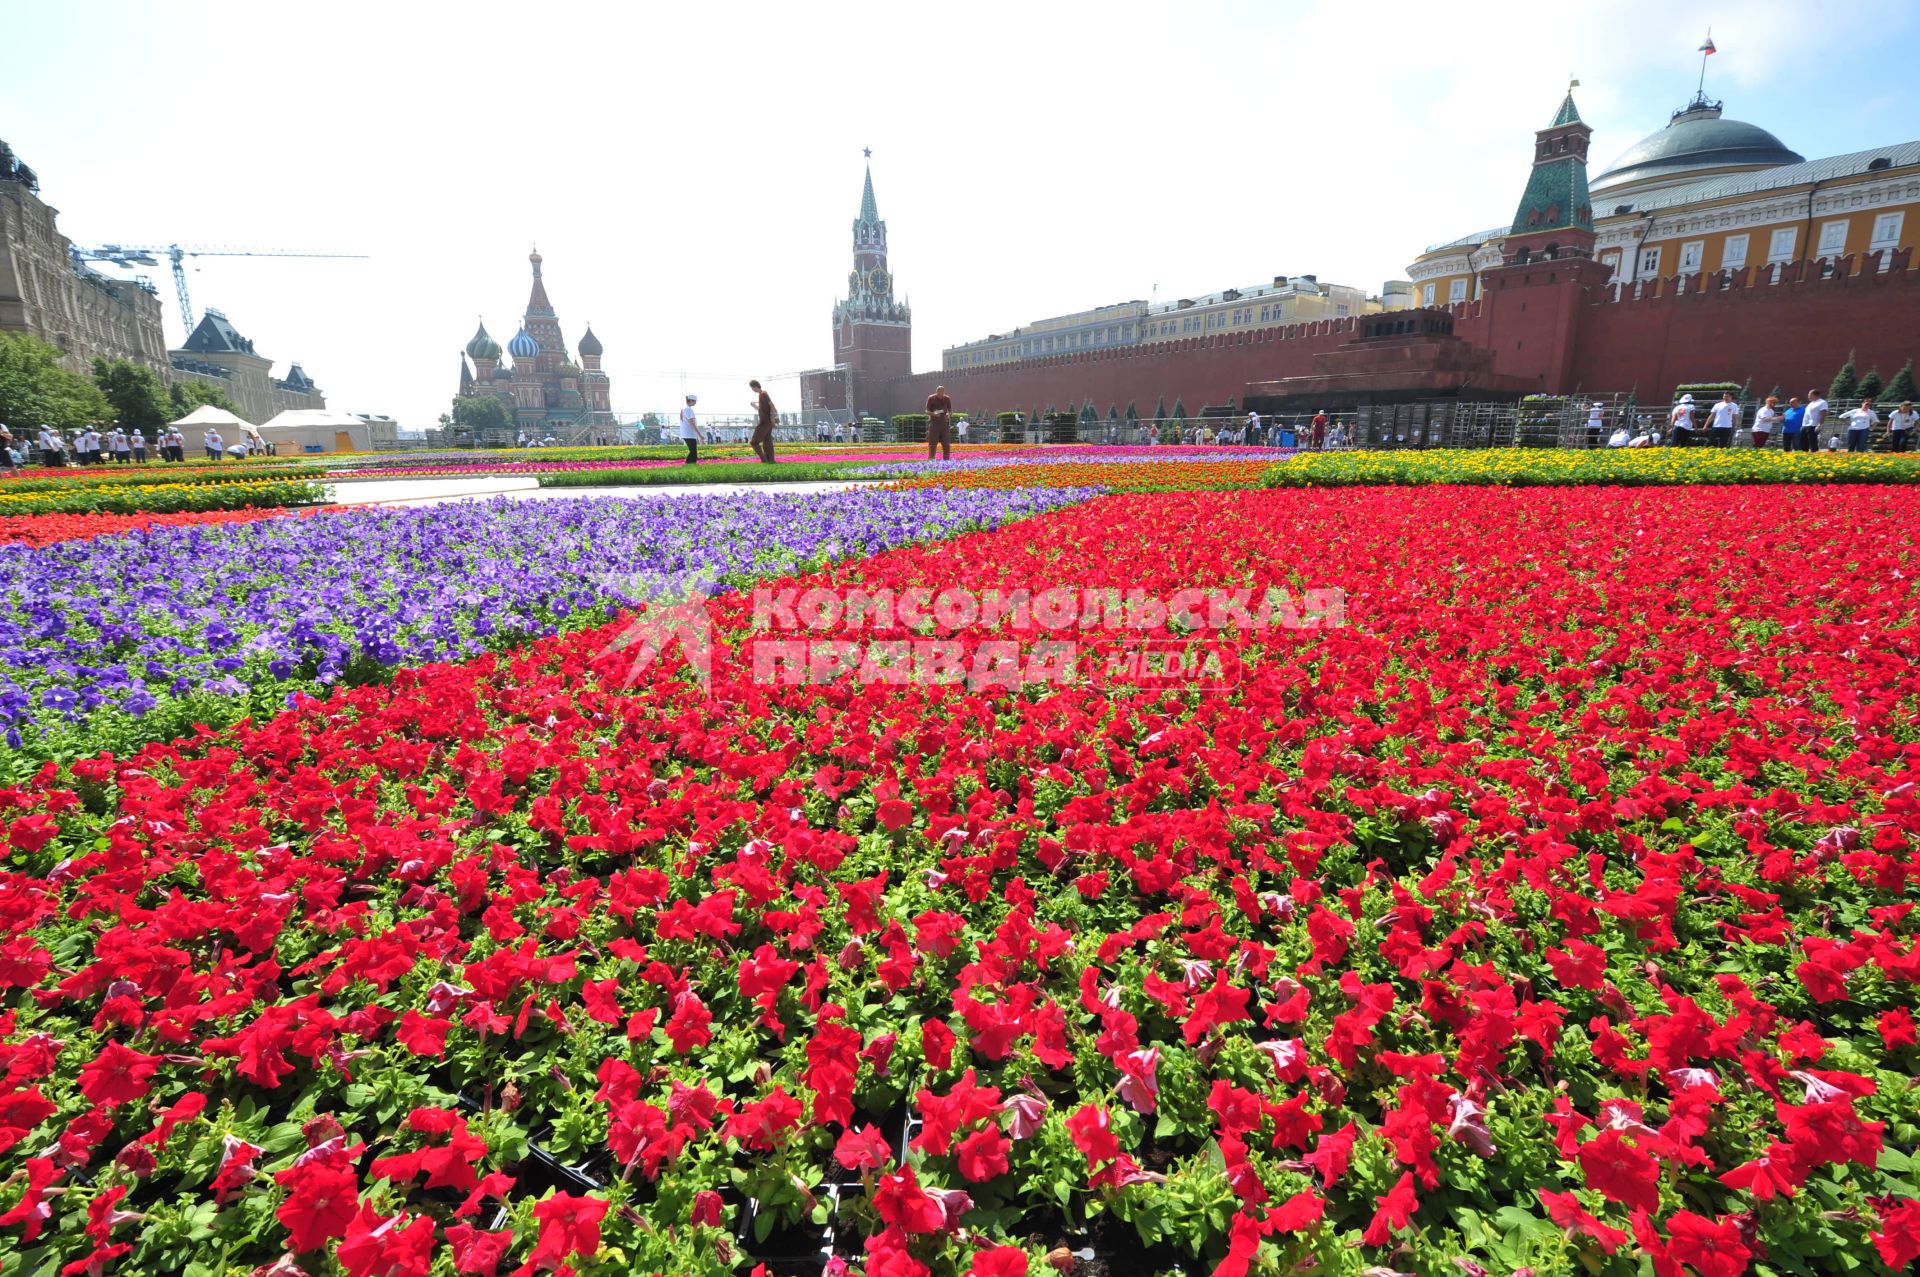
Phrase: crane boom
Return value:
(176, 255)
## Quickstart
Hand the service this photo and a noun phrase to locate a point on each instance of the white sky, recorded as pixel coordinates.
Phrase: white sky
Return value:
(691, 172)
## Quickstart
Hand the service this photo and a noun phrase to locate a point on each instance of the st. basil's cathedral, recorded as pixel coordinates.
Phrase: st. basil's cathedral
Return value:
(545, 390)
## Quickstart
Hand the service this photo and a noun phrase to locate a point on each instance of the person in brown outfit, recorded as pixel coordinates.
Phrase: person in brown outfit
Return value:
(940, 423)
(762, 439)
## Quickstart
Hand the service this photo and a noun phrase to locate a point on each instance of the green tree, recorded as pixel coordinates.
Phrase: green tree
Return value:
(1160, 409)
(1179, 410)
(36, 391)
(1133, 413)
(1870, 385)
(188, 395)
(1900, 389)
(481, 414)
(139, 401)
(1846, 383)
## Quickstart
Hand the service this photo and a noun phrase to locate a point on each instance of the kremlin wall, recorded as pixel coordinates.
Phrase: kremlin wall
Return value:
(1717, 254)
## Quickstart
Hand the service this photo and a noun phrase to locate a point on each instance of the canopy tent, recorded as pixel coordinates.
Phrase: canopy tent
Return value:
(194, 426)
(317, 430)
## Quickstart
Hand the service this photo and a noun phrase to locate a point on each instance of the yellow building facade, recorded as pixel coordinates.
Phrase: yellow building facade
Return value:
(1707, 194)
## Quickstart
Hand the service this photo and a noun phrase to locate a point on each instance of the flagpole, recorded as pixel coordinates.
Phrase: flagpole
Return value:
(1700, 90)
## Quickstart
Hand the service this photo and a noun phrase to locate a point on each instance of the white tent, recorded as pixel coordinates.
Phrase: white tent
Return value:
(194, 427)
(300, 430)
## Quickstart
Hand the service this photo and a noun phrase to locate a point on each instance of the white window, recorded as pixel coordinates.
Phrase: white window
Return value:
(1612, 262)
(1426, 295)
(1780, 244)
(1456, 292)
(1886, 230)
(1833, 238)
(1690, 254)
(1649, 263)
(1734, 255)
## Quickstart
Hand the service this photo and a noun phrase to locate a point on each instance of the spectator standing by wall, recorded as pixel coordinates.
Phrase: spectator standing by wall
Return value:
(1681, 421)
(1816, 418)
(1900, 426)
(1723, 420)
(1764, 422)
(1860, 424)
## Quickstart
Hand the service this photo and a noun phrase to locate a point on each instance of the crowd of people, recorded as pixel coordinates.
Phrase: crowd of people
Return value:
(1800, 425)
(109, 444)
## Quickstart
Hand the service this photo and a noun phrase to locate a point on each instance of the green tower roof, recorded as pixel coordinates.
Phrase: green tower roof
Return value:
(869, 211)
(1568, 113)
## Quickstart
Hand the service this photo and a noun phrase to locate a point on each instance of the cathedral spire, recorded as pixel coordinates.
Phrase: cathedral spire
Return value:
(537, 303)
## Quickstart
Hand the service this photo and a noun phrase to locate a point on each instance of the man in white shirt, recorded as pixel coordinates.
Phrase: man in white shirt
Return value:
(690, 431)
(214, 443)
(1723, 421)
(1682, 422)
(1810, 424)
(1620, 438)
(1596, 425)
(1860, 424)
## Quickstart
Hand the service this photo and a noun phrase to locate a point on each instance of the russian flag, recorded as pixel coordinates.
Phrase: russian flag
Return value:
(1708, 46)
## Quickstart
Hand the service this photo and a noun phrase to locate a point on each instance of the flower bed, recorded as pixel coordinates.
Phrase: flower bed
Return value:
(161, 498)
(1119, 474)
(1563, 467)
(48, 529)
(39, 479)
(142, 637)
(1554, 913)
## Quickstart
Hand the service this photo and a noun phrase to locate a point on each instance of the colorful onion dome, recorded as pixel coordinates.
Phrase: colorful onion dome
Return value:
(523, 346)
(482, 346)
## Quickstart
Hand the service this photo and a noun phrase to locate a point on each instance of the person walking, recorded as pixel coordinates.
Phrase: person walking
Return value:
(940, 424)
(1900, 426)
(690, 431)
(1815, 418)
(1681, 422)
(49, 447)
(960, 431)
(764, 415)
(1860, 424)
(1723, 419)
(1765, 420)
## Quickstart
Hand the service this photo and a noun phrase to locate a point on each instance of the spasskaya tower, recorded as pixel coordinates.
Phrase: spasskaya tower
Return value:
(872, 332)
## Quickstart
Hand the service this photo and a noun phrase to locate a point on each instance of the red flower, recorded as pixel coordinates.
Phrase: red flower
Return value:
(1621, 1172)
(376, 1247)
(1712, 1247)
(422, 1034)
(321, 1201)
(1395, 1211)
(1897, 1029)
(1565, 1210)
(998, 1261)
(894, 814)
(687, 1028)
(706, 1209)
(1898, 1237)
(864, 1149)
(118, 1075)
(1297, 1212)
(936, 1044)
(1224, 1003)
(983, 1154)
(1092, 1135)
(477, 1253)
(569, 1226)
(902, 1203)
(1333, 1153)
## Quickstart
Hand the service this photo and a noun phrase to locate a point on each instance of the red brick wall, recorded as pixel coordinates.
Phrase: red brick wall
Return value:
(1197, 371)
(1793, 334)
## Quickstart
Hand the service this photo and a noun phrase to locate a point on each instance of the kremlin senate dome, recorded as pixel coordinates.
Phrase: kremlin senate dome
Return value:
(1697, 142)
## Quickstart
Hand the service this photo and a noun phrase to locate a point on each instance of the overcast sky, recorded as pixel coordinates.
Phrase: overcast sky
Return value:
(690, 172)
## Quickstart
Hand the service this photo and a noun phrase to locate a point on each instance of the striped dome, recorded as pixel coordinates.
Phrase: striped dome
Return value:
(523, 346)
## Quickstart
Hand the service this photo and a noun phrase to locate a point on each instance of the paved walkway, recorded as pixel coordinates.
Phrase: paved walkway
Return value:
(525, 487)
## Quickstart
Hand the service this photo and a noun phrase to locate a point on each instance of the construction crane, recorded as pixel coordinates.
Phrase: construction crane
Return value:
(150, 255)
